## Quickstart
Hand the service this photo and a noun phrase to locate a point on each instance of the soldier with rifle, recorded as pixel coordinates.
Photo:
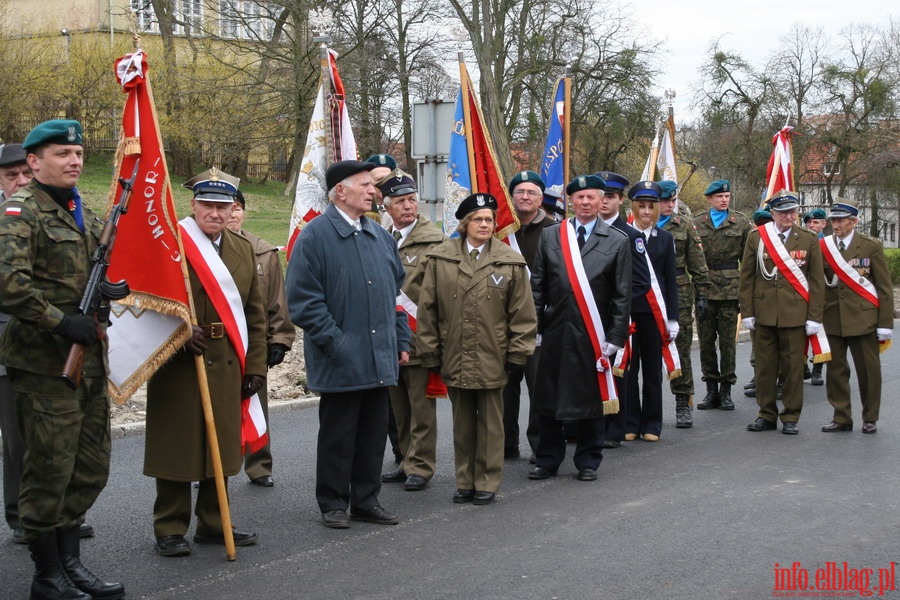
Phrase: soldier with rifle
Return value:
(47, 239)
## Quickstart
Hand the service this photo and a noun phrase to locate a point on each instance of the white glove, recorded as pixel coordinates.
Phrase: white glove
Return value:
(673, 328)
(884, 334)
(609, 349)
(749, 323)
(812, 328)
(537, 341)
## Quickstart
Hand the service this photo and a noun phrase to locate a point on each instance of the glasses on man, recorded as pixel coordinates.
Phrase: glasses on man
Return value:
(526, 193)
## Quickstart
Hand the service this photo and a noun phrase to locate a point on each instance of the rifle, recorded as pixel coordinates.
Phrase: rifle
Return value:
(99, 290)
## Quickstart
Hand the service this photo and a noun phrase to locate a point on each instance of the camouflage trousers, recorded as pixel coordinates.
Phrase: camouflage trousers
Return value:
(67, 448)
(684, 384)
(718, 329)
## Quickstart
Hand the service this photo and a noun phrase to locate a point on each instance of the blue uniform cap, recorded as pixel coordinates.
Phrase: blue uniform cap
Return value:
(612, 181)
(213, 185)
(784, 201)
(645, 190)
(843, 207)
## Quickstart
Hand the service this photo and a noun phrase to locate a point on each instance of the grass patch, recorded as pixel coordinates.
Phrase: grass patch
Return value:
(268, 212)
(893, 262)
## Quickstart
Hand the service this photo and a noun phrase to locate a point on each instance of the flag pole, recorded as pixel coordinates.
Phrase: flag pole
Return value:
(464, 86)
(203, 383)
(567, 128)
(325, 79)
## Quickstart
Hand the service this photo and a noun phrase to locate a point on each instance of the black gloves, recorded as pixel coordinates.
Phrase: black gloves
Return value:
(197, 343)
(702, 308)
(251, 385)
(81, 329)
(276, 354)
(512, 367)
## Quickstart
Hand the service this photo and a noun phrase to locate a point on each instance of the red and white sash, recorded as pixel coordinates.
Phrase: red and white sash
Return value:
(435, 388)
(846, 273)
(791, 272)
(658, 307)
(591, 315)
(226, 298)
(623, 356)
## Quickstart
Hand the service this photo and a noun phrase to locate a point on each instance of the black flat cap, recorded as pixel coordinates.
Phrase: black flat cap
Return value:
(343, 169)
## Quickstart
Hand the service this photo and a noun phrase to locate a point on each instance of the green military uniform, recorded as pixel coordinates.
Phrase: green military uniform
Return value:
(723, 247)
(475, 317)
(693, 281)
(45, 261)
(850, 322)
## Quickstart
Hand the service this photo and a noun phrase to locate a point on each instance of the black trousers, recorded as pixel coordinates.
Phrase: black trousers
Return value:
(350, 450)
(13, 452)
(512, 395)
(588, 445)
(615, 424)
(643, 411)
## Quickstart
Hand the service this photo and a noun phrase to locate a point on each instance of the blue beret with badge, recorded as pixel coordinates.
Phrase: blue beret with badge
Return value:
(383, 160)
(613, 181)
(12, 154)
(668, 189)
(784, 201)
(65, 132)
(645, 190)
(475, 202)
(718, 186)
(213, 185)
(844, 207)
(526, 176)
(816, 213)
(585, 182)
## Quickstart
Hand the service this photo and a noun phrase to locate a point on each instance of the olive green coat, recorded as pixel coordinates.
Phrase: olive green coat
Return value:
(271, 286)
(723, 246)
(176, 446)
(474, 317)
(692, 276)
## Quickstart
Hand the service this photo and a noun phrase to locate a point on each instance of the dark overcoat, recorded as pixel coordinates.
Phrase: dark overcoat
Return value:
(567, 385)
(176, 446)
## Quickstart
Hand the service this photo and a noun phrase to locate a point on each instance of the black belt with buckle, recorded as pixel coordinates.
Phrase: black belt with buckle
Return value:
(722, 266)
(213, 331)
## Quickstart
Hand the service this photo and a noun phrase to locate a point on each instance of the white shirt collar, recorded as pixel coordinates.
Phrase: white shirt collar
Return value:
(404, 233)
(847, 239)
(356, 224)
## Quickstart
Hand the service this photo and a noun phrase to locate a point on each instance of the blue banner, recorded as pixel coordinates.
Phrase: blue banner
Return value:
(459, 180)
(553, 161)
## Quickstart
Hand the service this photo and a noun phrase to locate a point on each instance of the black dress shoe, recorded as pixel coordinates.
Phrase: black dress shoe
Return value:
(761, 424)
(541, 473)
(172, 545)
(264, 481)
(85, 531)
(833, 427)
(790, 428)
(375, 515)
(241, 538)
(611, 444)
(336, 519)
(397, 476)
(415, 483)
(19, 536)
(482, 498)
(587, 475)
(869, 427)
(463, 496)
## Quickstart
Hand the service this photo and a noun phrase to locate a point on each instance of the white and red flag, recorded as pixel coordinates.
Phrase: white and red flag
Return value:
(780, 172)
(330, 139)
(153, 322)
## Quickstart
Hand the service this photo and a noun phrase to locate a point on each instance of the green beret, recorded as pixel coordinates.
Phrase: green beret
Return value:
(57, 131)
(761, 217)
(383, 160)
(585, 182)
(668, 189)
(816, 213)
(718, 186)
(523, 176)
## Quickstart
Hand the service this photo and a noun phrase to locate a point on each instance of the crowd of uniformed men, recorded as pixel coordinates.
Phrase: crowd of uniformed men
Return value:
(589, 311)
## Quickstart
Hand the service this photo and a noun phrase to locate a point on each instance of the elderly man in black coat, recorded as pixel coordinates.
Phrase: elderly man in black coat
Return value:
(568, 386)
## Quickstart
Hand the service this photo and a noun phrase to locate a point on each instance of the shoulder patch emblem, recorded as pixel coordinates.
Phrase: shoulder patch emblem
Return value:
(639, 245)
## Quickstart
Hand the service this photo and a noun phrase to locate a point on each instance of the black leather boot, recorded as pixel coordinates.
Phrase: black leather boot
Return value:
(817, 374)
(711, 400)
(725, 402)
(50, 580)
(70, 557)
(683, 417)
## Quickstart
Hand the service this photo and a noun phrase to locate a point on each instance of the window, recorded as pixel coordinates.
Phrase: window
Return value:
(259, 23)
(229, 19)
(146, 18)
(190, 15)
(831, 168)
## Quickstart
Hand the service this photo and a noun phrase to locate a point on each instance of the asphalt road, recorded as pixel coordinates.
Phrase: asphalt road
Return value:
(706, 512)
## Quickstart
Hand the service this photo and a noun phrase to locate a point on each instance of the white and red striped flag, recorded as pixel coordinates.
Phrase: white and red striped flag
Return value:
(780, 172)
(329, 140)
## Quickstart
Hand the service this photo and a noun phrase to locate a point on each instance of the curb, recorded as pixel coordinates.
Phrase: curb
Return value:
(138, 427)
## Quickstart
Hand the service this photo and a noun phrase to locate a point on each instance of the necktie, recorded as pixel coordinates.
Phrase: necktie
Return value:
(581, 233)
(397, 235)
(218, 248)
(474, 254)
(783, 238)
(841, 246)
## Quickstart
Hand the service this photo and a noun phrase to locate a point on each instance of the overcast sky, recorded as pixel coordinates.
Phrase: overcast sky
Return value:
(752, 29)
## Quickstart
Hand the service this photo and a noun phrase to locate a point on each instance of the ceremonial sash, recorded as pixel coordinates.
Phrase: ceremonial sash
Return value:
(788, 268)
(591, 315)
(623, 356)
(658, 308)
(435, 388)
(226, 298)
(846, 273)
